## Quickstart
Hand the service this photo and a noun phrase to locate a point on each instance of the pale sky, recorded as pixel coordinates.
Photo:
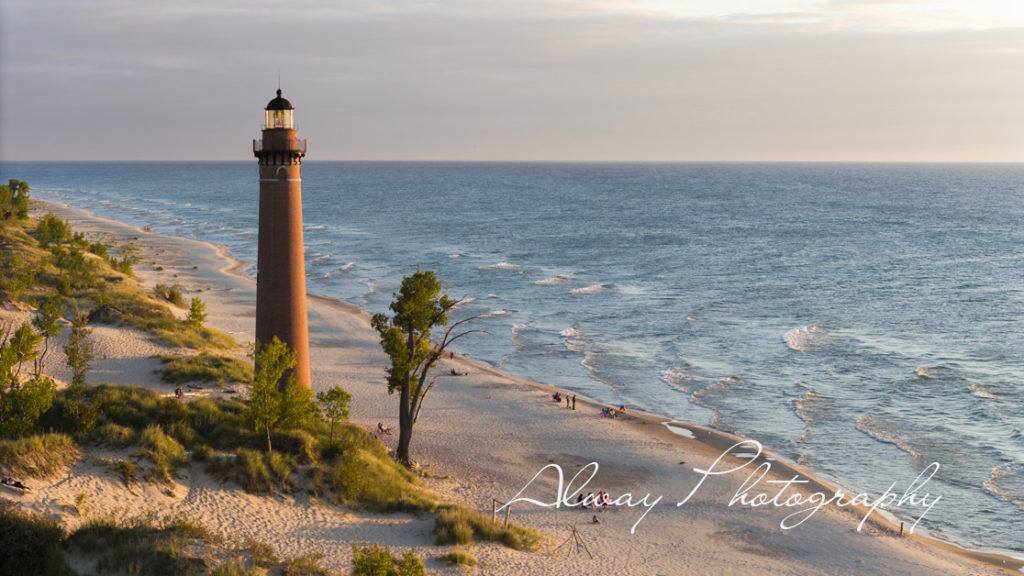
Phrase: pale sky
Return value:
(516, 80)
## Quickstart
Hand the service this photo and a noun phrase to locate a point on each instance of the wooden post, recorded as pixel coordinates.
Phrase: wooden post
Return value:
(901, 528)
(494, 510)
(507, 512)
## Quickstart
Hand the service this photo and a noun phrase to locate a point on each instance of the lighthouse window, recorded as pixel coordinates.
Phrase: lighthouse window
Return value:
(280, 119)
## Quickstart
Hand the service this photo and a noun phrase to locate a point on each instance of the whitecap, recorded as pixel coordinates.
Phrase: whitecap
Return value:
(503, 265)
(492, 296)
(596, 288)
(806, 338)
(453, 256)
(805, 406)
(554, 280)
(677, 378)
(888, 432)
(1006, 482)
(982, 391)
(573, 332)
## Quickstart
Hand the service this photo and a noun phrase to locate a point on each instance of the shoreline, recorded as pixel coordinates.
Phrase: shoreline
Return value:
(646, 430)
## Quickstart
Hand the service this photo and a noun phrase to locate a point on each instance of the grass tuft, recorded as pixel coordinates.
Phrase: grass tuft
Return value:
(459, 525)
(37, 456)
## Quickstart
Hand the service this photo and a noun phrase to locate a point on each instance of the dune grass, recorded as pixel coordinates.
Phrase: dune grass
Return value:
(39, 456)
(456, 558)
(31, 544)
(205, 368)
(460, 525)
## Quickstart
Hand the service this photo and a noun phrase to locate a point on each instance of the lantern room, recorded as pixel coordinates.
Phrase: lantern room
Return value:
(280, 113)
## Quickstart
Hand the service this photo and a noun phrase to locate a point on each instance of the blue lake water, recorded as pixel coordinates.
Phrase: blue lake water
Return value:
(865, 320)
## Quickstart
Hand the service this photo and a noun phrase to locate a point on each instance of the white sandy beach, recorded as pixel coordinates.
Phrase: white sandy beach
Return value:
(482, 437)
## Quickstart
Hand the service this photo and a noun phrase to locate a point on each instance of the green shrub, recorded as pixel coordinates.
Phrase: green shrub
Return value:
(453, 522)
(113, 435)
(263, 554)
(204, 368)
(165, 453)
(305, 565)
(31, 544)
(143, 545)
(377, 560)
(457, 558)
(126, 470)
(361, 479)
(259, 473)
(37, 456)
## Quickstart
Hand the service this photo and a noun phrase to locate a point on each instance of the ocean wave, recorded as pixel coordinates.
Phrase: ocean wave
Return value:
(890, 433)
(677, 378)
(982, 391)
(806, 407)
(807, 338)
(698, 398)
(495, 313)
(596, 288)
(574, 339)
(1006, 482)
(503, 265)
(554, 280)
(454, 256)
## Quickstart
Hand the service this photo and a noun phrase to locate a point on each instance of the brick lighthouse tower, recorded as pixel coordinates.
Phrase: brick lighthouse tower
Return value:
(281, 270)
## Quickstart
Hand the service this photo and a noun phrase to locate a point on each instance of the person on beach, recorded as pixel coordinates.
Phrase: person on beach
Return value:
(383, 429)
(178, 392)
(14, 484)
(596, 520)
(573, 401)
(566, 401)
(557, 396)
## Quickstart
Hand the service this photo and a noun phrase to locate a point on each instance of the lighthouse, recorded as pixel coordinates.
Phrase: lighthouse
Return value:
(281, 269)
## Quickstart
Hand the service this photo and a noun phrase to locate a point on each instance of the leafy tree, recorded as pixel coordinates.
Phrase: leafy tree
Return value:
(52, 230)
(23, 346)
(46, 321)
(197, 313)
(419, 306)
(21, 403)
(334, 406)
(79, 349)
(80, 353)
(276, 401)
(14, 200)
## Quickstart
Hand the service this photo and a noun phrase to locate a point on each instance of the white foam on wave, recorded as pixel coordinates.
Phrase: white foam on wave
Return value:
(554, 280)
(677, 378)
(494, 313)
(804, 406)
(596, 288)
(503, 265)
(982, 391)
(890, 433)
(1006, 482)
(807, 338)
(454, 256)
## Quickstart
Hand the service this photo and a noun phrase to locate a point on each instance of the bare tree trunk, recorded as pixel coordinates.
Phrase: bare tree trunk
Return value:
(404, 426)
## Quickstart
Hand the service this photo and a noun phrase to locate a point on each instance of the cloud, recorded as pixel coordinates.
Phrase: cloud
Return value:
(503, 80)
